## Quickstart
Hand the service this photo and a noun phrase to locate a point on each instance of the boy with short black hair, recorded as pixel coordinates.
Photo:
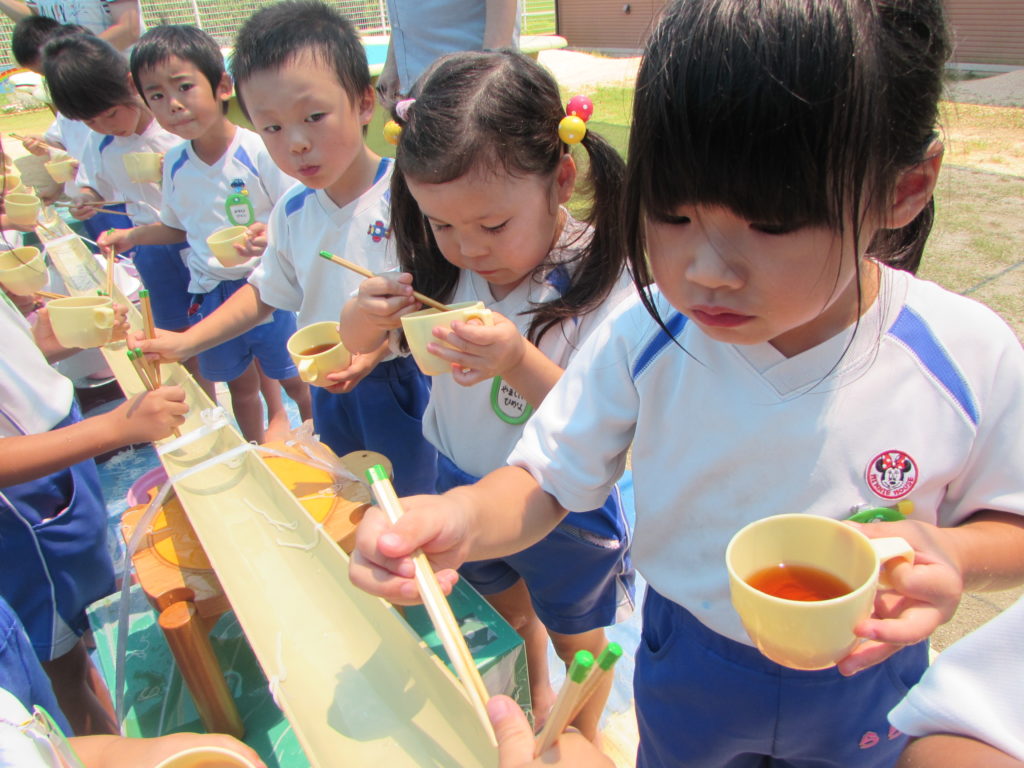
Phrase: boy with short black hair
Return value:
(28, 37)
(303, 80)
(220, 176)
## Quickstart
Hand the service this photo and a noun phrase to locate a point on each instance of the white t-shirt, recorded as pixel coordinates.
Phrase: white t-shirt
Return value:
(922, 402)
(973, 688)
(292, 275)
(102, 168)
(476, 427)
(17, 749)
(73, 135)
(197, 198)
(34, 398)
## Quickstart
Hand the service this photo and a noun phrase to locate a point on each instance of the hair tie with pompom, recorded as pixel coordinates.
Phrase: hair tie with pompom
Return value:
(573, 127)
(402, 109)
(392, 132)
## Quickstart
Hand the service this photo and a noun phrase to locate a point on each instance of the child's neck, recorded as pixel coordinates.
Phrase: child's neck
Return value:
(356, 179)
(211, 146)
(145, 119)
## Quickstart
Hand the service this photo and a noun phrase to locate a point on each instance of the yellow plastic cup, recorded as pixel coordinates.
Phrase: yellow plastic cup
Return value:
(144, 166)
(222, 244)
(61, 171)
(84, 322)
(317, 351)
(419, 331)
(206, 757)
(21, 207)
(23, 270)
(807, 634)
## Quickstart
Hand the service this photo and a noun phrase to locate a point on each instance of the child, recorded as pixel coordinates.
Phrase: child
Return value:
(781, 152)
(303, 80)
(53, 554)
(476, 207)
(89, 81)
(966, 709)
(220, 176)
(24, 690)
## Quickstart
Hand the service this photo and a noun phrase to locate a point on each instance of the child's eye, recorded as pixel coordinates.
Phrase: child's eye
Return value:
(155, 96)
(497, 228)
(316, 117)
(186, 87)
(671, 218)
(270, 128)
(776, 229)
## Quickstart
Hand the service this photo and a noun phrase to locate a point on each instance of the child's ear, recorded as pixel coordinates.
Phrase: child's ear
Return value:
(225, 87)
(914, 188)
(364, 105)
(565, 178)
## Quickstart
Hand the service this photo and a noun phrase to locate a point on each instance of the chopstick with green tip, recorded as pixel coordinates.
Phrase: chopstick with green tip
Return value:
(437, 606)
(570, 697)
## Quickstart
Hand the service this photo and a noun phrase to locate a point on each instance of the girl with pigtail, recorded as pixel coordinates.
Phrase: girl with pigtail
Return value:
(481, 180)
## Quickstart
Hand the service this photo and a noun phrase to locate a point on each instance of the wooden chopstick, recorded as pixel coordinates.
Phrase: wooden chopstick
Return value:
(49, 295)
(138, 360)
(150, 331)
(566, 703)
(359, 269)
(437, 606)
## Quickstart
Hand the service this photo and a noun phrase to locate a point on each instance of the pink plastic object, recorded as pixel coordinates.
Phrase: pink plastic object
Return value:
(581, 107)
(139, 492)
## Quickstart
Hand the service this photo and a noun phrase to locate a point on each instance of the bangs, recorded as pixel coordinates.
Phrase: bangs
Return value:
(751, 107)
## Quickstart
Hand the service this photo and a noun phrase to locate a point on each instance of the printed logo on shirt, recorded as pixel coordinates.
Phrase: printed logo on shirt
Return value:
(892, 474)
(378, 231)
(239, 210)
(509, 405)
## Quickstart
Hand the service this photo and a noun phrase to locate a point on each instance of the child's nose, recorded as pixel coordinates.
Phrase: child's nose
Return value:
(298, 142)
(709, 267)
(472, 247)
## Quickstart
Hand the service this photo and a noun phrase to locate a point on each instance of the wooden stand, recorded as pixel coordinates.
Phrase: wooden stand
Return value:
(180, 584)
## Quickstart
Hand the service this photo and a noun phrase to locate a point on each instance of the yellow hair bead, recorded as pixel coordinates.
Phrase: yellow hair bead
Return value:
(392, 132)
(572, 129)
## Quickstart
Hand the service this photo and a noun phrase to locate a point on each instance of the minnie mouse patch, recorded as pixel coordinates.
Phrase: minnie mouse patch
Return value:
(892, 474)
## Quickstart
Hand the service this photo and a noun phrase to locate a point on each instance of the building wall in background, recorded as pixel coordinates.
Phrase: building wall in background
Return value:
(607, 24)
(989, 32)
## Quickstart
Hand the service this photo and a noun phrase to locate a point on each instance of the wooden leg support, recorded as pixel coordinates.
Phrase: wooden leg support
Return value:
(189, 642)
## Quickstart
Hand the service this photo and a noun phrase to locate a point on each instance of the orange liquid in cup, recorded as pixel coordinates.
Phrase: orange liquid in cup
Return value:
(798, 582)
(318, 349)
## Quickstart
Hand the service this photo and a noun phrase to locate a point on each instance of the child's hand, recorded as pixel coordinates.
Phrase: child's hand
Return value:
(255, 241)
(385, 298)
(345, 380)
(118, 239)
(481, 351)
(149, 416)
(923, 595)
(516, 741)
(164, 347)
(83, 206)
(36, 145)
(381, 562)
(121, 327)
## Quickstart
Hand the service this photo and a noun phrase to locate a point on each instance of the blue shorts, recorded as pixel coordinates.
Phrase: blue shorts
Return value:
(165, 275)
(20, 672)
(267, 342)
(383, 413)
(703, 700)
(579, 578)
(53, 553)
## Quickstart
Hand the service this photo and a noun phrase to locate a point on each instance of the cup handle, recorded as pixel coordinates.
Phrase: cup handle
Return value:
(483, 315)
(308, 371)
(891, 548)
(103, 317)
